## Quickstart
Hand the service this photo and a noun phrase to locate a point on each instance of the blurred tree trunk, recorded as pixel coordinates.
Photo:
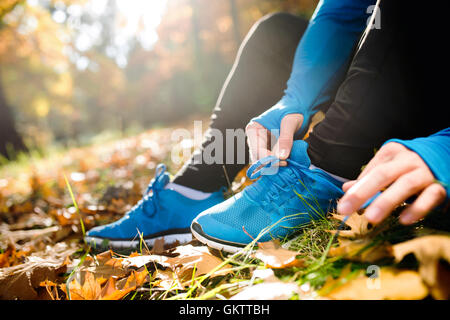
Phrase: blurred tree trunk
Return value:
(10, 139)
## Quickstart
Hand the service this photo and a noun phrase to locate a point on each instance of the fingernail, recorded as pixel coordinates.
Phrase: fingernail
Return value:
(373, 214)
(345, 207)
(283, 154)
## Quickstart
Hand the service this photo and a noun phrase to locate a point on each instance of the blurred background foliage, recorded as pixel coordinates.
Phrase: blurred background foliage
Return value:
(74, 69)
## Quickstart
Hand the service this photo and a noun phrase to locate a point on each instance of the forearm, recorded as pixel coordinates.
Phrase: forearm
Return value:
(321, 59)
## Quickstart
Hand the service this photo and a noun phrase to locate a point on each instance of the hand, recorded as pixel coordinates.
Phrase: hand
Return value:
(259, 138)
(403, 173)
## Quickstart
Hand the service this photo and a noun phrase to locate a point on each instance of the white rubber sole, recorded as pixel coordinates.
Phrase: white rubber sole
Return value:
(215, 245)
(133, 244)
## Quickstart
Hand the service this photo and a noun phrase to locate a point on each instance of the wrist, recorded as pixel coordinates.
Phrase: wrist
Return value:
(271, 119)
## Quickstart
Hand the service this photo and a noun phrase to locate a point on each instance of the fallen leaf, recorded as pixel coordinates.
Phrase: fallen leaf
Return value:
(359, 225)
(14, 236)
(11, 257)
(124, 286)
(390, 284)
(200, 258)
(362, 250)
(158, 246)
(429, 250)
(276, 257)
(151, 261)
(109, 290)
(91, 288)
(21, 281)
(80, 291)
(105, 265)
(190, 261)
(168, 280)
(51, 290)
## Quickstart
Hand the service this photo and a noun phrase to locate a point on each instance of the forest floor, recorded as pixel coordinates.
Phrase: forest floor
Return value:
(48, 203)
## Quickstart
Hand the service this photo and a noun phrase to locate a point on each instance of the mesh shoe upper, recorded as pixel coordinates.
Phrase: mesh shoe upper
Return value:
(275, 205)
(159, 211)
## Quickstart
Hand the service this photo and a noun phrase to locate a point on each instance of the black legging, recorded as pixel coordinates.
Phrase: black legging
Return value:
(390, 91)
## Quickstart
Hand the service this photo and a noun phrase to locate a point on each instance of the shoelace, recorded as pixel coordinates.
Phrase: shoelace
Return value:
(155, 186)
(274, 180)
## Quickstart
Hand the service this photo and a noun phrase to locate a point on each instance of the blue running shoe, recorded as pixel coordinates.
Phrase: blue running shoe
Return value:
(161, 213)
(275, 206)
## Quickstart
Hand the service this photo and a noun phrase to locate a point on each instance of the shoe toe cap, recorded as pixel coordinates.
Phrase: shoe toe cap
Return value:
(232, 220)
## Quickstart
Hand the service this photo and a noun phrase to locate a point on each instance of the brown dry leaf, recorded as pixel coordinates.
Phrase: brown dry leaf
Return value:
(359, 225)
(109, 289)
(276, 257)
(134, 280)
(429, 250)
(158, 246)
(21, 235)
(363, 250)
(117, 290)
(104, 266)
(116, 294)
(11, 257)
(189, 261)
(59, 251)
(200, 258)
(113, 289)
(168, 280)
(391, 284)
(133, 254)
(21, 281)
(89, 290)
(51, 290)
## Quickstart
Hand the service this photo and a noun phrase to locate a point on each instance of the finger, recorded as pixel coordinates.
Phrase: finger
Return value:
(378, 178)
(347, 185)
(258, 138)
(404, 187)
(430, 198)
(385, 154)
(289, 125)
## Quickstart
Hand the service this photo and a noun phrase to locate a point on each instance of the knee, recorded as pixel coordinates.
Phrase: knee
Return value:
(275, 18)
(278, 21)
(275, 26)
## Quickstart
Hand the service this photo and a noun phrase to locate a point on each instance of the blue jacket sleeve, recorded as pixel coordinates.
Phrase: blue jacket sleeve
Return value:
(435, 152)
(321, 59)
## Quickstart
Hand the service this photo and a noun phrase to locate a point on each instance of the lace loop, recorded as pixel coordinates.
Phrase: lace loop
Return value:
(276, 181)
(151, 200)
(264, 166)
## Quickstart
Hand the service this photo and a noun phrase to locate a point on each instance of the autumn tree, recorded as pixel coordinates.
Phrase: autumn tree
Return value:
(71, 69)
(10, 139)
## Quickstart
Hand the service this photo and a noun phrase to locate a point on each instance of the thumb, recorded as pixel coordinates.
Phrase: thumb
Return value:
(289, 125)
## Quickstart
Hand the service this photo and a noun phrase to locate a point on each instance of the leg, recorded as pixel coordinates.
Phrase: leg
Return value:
(255, 83)
(388, 92)
(379, 99)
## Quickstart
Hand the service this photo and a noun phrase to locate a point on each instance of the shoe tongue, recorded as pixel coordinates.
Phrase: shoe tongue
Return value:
(299, 153)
